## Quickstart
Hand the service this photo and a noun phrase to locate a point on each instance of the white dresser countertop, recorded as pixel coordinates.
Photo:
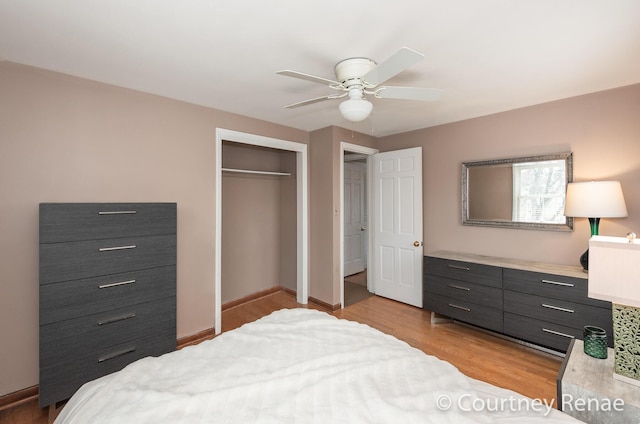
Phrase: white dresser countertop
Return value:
(564, 270)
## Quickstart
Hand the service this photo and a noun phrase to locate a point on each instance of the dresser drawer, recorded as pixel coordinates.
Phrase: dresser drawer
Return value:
(548, 285)
(464, 290)
(61, 380)
(569, 314)
(95, 335)
(60, 222)
(84, 259)
(464, 271)
(543, 333)
(464, 311)
(72, 299)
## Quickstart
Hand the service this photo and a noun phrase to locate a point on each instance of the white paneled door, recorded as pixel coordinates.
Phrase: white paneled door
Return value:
(354, 217)
(397, 233)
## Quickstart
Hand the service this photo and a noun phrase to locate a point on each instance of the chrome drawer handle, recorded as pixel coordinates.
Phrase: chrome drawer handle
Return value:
(557, 283)
(557, 333)
(455, 286)
(116, 354)
(116, 319)
(463, 268)
(117, 212)
(459, 307)
(119, 283)
(557, 308)
(107, 249)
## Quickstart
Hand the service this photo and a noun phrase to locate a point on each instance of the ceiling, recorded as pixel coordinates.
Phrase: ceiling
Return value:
(488, 56)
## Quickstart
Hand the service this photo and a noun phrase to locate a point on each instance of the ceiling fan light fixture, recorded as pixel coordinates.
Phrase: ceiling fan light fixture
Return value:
(358, 75)
(355, 110)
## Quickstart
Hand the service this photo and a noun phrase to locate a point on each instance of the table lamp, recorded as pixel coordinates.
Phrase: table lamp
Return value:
(614, 276)
(594, 200)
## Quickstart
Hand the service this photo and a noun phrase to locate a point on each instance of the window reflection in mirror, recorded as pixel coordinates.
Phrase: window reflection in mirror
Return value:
(519, 192)
(539, 191)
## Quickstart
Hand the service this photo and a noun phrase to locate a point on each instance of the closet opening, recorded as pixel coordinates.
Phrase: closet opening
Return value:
(261, 217)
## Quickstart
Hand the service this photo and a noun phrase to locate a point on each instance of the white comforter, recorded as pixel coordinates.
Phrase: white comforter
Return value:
(298, 366)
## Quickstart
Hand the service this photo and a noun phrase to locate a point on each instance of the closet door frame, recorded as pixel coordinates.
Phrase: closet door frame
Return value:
(302, 257)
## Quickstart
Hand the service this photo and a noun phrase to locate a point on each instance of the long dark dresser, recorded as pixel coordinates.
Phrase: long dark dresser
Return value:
(107, 290)
(546, 305)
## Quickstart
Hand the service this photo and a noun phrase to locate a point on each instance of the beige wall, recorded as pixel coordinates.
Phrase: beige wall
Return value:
(601, 129)
(324, 157)
(64, 139)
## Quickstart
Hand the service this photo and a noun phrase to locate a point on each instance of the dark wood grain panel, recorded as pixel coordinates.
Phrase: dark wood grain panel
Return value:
(64, 222)
(84, 259)
(570, 314)
(543, 333)
(72, 299)
(464, 271)
(62, 342)
(60, 381)
(470, 292)
(549, 285)
(465, 311)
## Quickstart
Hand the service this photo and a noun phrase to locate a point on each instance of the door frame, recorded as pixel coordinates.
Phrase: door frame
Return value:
(368, 151)
(302, 206)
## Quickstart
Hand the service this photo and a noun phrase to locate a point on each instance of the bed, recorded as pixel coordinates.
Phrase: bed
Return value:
(299, 366)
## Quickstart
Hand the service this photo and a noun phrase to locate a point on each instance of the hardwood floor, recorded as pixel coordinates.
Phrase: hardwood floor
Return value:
(477, 354)
(27, 413)
(248, 312)
(355, 288)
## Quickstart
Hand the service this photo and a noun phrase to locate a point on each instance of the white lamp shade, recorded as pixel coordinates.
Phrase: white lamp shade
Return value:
(595, 199)
(614, 270)
(355, 110)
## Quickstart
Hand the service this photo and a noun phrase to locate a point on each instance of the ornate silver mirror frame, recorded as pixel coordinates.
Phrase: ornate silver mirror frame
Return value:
(506, 165)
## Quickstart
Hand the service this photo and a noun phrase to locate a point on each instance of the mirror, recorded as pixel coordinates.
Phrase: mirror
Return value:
(526, 193)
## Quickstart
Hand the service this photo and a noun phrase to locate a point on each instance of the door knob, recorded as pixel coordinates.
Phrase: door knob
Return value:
(362, 228)
(416, 243)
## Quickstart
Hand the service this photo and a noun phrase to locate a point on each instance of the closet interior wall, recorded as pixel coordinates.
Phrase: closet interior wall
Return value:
(258, 220)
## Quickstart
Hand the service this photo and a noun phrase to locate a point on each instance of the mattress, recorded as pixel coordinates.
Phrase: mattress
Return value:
(300, 366)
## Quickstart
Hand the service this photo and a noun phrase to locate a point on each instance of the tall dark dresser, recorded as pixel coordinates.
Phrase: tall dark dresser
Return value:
(107, 290)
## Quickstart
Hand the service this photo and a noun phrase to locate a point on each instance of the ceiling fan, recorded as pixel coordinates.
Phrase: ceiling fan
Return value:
(358, 76)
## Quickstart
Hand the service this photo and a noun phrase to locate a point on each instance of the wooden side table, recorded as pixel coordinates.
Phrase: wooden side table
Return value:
(588, 391)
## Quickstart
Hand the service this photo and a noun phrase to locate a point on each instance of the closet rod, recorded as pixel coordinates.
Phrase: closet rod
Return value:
(249, 171)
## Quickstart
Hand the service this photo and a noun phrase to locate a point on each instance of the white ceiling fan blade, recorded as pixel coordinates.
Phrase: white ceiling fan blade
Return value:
(408, 93)
(307, 77)
(316, 100)
(398, 62)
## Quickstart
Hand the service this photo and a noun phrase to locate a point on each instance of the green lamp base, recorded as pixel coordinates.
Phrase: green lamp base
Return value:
(584, 260)
(594, 223)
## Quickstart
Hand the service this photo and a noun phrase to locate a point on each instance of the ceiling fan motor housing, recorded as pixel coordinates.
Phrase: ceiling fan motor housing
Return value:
(350, 71)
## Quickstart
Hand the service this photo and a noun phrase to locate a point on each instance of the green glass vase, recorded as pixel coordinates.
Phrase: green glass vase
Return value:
(595, 342)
